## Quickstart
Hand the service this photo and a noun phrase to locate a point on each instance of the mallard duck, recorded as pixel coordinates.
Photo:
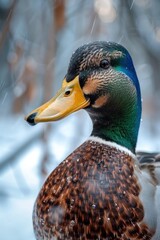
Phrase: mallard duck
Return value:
(102, 190)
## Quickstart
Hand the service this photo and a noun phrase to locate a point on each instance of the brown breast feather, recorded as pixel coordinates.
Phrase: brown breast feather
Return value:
(92, 194)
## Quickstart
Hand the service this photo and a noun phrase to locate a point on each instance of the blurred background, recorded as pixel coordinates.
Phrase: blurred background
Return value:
(37, 39)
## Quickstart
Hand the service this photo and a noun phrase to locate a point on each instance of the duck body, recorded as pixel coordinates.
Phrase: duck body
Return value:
(93, 194)
(102, 190)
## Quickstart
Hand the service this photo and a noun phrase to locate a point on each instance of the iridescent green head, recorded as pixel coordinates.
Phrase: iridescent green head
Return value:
(108, 79)
(101, 78)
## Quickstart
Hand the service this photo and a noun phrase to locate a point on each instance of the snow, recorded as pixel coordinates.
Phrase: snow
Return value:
(19, 186)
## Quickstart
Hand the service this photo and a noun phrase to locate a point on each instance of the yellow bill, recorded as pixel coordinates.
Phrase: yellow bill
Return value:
(68, 99)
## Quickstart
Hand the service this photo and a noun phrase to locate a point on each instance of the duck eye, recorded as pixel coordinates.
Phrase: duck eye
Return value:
(104, 63)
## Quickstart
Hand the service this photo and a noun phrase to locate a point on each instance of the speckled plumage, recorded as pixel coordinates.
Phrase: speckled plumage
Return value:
(102, 191)
(93, 194)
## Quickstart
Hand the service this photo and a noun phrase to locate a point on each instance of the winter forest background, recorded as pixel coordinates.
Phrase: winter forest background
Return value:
(37, 39)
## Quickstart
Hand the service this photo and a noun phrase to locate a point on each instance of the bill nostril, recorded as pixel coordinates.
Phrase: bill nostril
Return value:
(30, 119)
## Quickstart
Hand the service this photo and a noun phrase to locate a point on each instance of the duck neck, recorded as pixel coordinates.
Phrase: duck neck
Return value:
(119, 127)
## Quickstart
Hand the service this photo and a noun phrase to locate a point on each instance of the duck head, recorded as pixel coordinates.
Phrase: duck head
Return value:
(101, 79)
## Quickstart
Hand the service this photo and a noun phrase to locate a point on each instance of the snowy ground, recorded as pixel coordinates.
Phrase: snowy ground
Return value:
(19, 185)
